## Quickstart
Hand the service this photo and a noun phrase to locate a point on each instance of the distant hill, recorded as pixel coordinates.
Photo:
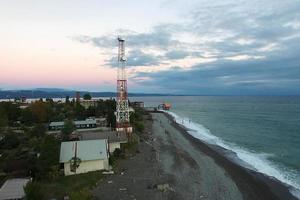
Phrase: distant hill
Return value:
(61, 93)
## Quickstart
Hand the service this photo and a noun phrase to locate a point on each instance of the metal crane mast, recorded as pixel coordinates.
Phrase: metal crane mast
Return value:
(122, 109)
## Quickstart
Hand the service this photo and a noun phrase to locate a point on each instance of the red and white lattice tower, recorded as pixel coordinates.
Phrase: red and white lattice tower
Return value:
(122, 109)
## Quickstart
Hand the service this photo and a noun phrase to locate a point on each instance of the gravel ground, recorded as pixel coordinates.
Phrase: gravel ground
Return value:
(137, 177)
(170, 164)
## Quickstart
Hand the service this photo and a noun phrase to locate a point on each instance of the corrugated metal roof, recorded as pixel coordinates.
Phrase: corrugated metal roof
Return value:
(89, 121)
(86, 150)
(56, 123)
(112, 136)
(81, 122)
(13, 189)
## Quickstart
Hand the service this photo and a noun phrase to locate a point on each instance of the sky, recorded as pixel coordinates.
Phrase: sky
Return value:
(199, 47)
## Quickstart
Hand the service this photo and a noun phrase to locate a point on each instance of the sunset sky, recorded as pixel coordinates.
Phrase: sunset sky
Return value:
(182, 47)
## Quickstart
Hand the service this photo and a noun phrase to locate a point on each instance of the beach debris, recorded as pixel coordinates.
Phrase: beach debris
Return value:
(109, 182)
(108, 172)
(123, 189)
(122, 173)
(164, 187)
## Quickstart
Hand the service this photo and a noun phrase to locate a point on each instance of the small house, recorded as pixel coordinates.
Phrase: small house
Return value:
(84, 156)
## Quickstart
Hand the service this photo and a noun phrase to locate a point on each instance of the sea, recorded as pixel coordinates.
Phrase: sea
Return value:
(263, 131)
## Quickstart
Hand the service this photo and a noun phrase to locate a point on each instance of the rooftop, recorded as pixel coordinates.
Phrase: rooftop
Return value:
(13, 189)
(80, 122)
(86, 150)
(111, 136)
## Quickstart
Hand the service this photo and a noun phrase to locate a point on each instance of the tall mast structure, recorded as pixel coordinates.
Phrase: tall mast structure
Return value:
(122, 109)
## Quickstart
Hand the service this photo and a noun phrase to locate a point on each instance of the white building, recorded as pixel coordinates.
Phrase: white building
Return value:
(13, 189)
(90, 155)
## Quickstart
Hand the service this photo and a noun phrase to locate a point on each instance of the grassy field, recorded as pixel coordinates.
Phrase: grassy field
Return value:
(75, 186)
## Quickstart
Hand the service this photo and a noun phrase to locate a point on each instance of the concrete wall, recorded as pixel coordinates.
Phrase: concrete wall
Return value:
(113, 146)
(87, 166)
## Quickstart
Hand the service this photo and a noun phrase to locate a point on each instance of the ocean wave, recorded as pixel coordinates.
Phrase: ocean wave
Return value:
(252, 160)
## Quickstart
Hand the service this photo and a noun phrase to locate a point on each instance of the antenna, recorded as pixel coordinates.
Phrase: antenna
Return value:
(122, 109)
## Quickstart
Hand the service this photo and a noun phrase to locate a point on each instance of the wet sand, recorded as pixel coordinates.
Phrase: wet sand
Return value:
(171, 164)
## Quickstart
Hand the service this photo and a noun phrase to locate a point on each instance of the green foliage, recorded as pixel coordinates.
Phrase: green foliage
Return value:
(10, 141)
(139, 126)
(27, 117)
(53, 172)
(87, 96)
(67, 129)
(136, 119)
(75, 185)
(117, 152)
(83, 194)
(41, 111)
(49, 157)
(80, 111)
(38, 130)
(11, 112)
(3, 119)
(111, 160)
(33, 191)
(67, 99)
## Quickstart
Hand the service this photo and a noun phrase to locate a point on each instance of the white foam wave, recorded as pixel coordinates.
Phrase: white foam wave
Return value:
(253, 160)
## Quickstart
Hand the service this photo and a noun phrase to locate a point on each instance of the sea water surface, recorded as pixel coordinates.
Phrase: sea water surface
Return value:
(263, 131)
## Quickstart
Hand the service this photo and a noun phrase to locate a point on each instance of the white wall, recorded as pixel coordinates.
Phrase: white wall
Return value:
(113, 146)
(87, 166)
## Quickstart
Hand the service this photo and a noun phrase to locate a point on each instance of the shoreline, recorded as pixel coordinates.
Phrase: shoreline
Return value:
(252, 184)
(170, 164)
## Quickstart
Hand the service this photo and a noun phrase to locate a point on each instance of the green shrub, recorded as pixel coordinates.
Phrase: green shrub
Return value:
(33, 191)
(117, 152)
(140, 126)
(83, 194)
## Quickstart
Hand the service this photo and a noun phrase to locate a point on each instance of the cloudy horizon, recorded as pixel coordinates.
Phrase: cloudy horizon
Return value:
(176, 47)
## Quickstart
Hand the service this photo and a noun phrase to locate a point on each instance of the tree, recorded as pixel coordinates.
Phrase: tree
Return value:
(12, 111)
(49, 156)
(67, 129)
(87, 96)
(10, 140)
(3, 119)
(33, 191)
(41, 110)
(38, 130)
(27, 116)
(67, 99)
(80, 111)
